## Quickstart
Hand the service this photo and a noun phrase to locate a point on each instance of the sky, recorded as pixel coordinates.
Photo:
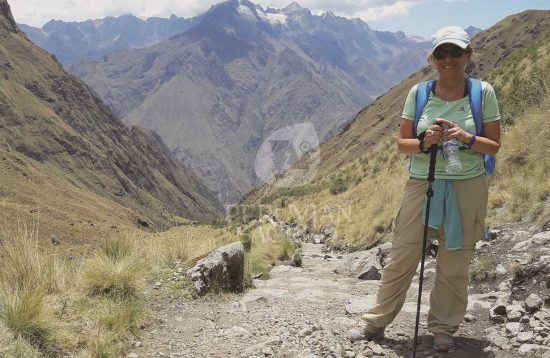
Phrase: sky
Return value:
(414, 17)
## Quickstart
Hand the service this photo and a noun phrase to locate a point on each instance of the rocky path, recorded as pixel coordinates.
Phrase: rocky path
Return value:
(300, 312)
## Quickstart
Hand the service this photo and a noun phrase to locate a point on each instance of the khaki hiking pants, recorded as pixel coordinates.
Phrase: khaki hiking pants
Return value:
(449, 296)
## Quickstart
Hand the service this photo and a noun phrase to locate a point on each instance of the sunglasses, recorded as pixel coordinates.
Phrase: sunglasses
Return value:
(455, 52)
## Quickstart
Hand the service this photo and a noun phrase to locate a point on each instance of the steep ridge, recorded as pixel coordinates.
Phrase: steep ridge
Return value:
(69, 162)
(375, 122)
(245, 72)
(72, 41)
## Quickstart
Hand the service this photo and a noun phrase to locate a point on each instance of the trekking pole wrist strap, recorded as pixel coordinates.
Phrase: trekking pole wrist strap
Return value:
(421, 144)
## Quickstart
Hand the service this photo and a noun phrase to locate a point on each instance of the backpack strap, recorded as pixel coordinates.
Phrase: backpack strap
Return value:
(422, 93)
(475, 95)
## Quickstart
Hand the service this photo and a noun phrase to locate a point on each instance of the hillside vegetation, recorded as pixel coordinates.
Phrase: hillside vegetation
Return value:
(90, 305)
(69, 164)
(520, 189)
(93, 304)
(360, 198)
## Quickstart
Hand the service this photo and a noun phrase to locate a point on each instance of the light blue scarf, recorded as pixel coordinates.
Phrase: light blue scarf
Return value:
(444, 211)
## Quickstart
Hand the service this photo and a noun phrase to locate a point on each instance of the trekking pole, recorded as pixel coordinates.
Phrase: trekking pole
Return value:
(429, 194)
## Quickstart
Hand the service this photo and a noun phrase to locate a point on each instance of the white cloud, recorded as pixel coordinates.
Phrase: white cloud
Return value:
(373, 14)
(33, 12)
(368, 10)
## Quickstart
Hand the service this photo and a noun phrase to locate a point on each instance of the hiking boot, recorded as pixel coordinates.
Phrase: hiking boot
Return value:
(443, 342)
(368, 333)
(373, 333)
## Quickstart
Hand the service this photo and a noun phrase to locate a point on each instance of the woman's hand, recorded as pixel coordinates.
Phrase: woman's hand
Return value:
(454, 131)
(433, 135)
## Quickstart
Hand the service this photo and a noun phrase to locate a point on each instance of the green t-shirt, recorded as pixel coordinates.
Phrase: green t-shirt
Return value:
(458, 112)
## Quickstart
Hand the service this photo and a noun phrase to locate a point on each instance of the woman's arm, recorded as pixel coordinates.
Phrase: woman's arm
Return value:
(406, 143)
(488, 144)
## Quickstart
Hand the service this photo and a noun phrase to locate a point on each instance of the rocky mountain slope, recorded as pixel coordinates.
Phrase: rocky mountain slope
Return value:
(359, 174)
(375, 122)
(72, 41)
(69, 165)
(245, 72)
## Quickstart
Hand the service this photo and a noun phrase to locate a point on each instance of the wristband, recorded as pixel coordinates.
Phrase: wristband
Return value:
(470, 144)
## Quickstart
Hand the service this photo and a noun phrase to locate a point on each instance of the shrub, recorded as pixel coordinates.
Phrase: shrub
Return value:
(338, 186)
(246, 239)
(116, 248)
(102, 346)
(123, 318)
(484, 269)
(116, 270)
(23, 313)
(255, 265)
(27, 266)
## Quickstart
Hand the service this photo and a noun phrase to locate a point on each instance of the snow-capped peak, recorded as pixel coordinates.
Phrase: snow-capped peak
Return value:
(293, 6)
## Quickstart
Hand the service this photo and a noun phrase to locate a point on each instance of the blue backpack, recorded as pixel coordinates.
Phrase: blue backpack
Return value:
(475, 95)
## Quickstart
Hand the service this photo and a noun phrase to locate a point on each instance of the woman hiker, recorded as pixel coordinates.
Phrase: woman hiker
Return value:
(448, 103)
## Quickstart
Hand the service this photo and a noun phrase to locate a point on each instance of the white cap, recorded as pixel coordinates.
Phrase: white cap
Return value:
(451, 35)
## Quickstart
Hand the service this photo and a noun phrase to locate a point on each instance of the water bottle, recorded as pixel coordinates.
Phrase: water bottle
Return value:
(450, 153)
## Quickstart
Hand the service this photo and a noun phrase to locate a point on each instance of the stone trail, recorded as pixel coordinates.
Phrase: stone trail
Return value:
(299, 312)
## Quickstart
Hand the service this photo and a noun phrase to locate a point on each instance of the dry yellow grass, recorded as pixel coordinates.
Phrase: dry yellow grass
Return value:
(360, 199)
(521, 189)
(26, 265)
(117, 269)
(90, 305)
(363, 210)
(268, 245)
(15, 347)
(186, 243)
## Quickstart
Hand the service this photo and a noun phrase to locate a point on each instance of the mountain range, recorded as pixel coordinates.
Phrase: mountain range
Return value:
(374, 123)
(69, 165)
(72, 41)
(217, 91)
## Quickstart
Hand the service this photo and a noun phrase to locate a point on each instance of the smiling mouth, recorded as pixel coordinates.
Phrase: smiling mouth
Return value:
(450, 66)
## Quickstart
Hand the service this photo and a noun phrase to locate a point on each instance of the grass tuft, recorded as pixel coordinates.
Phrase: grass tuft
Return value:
(25, 265)
(19, 348)
(484, 269)
(116, 270)
(24, 314)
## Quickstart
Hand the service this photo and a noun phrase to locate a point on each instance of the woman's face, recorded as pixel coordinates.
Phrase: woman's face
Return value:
(446, 63)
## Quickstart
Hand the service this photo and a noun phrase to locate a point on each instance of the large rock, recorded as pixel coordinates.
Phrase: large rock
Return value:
(498, 340)
(531, 349)
(513, 328)
(365, 265)
(323, 235)
(497, 313)
(542, 238)
(223, 267)
(514, 313)
(525, 337)
(369, 267)
(533, 303)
